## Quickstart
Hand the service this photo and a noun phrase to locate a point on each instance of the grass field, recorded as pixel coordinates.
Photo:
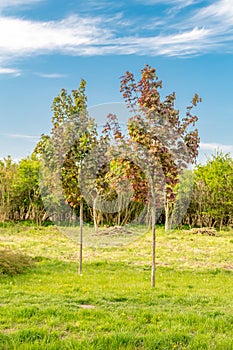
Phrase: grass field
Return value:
(112, 306)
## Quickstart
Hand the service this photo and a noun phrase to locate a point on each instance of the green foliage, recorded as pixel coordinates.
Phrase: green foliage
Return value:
(72, 136)
(212, 203)
(8, 171)
(28, 200)
(19, 186)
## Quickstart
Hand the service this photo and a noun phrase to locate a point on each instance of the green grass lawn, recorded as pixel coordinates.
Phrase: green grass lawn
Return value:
(112, 306)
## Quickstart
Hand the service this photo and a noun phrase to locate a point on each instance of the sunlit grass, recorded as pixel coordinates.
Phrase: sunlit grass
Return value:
(112, 306)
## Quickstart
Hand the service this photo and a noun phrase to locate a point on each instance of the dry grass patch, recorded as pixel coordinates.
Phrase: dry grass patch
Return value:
(13, 263)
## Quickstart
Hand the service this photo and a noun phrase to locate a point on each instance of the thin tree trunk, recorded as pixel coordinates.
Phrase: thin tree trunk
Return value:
(153, 267)
(221, 223)
(119, 215)
(81, 239)
(95, 215)
(148, 217)
(120, 204)
(153, 214)
(167, 218)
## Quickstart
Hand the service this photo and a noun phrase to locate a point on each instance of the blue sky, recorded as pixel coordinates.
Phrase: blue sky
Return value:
(46, 45)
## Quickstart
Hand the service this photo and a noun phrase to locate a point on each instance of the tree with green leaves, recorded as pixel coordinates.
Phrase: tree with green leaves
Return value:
(27, 198)
(73, 135)
(8, 173)
(212, 202)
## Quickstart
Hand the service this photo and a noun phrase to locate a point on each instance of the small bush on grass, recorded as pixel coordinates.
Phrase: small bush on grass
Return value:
(13, 263)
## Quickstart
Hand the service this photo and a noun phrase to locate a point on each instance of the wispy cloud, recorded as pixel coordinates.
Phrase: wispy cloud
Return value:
(208, 149)
(206, 29)
(10, 71)
(87, 36)
(218, 10)
(181, 44)
(51, 75)
(31, 138)
(182, 3)
(13, 3)
(25, 37)
(216, 146)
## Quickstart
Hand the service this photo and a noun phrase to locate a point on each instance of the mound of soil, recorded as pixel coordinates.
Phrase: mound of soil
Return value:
(209, 231)
(114, 231)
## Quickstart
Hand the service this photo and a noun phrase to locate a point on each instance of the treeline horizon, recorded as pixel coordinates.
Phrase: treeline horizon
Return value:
(211, 202)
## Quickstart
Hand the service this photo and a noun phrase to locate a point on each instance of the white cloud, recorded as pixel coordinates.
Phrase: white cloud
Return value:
(87, 37)
(204, 30)
(15, 160)
(218, 19)
(180, 44)
(221, 9)
(13, 3)
(24, 37)
(21, 136)
(51, 75)
(216, 146)
(208, 149)
(182, 3)
(10, 71)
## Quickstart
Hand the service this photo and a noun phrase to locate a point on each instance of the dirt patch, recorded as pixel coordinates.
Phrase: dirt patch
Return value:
(114, 231)
(209, 231)
(83, 306)
(8, 330)
(228, 267)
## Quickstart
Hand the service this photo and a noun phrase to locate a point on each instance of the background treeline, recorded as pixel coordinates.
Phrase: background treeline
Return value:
(20, 197)
(211, 200)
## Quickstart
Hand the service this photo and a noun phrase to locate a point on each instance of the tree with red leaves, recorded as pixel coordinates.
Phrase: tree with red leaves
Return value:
(164, 143)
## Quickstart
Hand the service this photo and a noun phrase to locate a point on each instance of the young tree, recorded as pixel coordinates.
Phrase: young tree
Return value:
(163, 142)
(72, 137)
